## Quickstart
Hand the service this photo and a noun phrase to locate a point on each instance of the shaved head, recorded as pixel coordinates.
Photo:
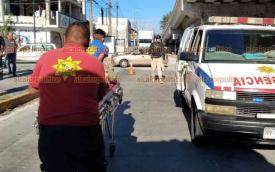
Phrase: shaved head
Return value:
(77, 33)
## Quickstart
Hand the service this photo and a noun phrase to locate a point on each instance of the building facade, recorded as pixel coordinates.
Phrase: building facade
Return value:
(195, 12)
(123, 38)
(45, 21)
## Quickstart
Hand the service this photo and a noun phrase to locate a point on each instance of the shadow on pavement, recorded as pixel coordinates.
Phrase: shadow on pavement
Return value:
(14, 90)
(20, 73)
(24, 72)
(25, 62)
(136, 155)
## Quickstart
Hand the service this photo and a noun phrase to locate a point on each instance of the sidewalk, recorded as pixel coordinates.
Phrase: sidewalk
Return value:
(14, 90)
(11, 85)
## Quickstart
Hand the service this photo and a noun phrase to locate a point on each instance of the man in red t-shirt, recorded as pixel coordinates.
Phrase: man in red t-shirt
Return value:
(70, 84)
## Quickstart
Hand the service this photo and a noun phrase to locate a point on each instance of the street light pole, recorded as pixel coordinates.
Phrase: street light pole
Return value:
(34, 29)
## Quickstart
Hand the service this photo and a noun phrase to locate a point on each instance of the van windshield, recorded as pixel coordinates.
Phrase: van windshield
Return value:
(145, 41)
(240, 45)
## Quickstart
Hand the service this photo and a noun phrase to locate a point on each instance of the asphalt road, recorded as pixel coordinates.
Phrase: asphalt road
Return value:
(152, 135)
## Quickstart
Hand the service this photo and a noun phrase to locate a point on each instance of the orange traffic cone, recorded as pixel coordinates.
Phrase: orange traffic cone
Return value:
(131, 69)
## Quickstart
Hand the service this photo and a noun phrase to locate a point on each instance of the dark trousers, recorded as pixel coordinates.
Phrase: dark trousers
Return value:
(71, 149)
(11, 59)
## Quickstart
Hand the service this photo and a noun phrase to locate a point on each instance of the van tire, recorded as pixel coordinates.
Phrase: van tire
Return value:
(123, 63)
(197, 136)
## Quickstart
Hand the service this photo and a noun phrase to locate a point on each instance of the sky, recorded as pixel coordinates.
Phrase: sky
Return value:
(145, 14)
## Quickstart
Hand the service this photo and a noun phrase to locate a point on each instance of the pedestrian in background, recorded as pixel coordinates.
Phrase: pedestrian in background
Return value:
(2, 44)
(100, 51)
(97, 48)
(70, 136)
(10, 51)
(157, 53)
(2, 48)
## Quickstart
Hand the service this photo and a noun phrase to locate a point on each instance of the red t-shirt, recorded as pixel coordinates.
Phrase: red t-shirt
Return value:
(71, 83)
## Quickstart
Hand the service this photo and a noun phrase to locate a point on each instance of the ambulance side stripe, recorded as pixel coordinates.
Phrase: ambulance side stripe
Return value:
(208, 80)
(238, 89)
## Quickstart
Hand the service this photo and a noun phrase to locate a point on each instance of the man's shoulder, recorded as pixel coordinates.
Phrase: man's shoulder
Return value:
(49, 54)
(87, 57)
(95, 43)
(91, 62)
(61, 53)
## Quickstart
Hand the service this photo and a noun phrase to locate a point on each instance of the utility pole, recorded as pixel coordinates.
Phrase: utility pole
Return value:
(106, 13)
(91, 20)
(3, 12)
(110, 17)
(34, 29)
(102, 15)
(117, 6)
(116, 26)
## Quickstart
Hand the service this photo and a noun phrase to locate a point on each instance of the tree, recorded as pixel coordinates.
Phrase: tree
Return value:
(7, 27)
(165, 20)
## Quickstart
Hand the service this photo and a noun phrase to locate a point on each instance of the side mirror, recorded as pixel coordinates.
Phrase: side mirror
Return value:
(187, 56)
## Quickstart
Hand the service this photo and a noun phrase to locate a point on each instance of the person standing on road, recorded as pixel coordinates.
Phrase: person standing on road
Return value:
(157, 53)
(2, 48)
(98, 50)
(2, 44)
(10, 51)
(70, 84)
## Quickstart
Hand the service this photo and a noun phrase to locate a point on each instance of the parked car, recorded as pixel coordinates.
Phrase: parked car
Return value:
(136, 58)
(32, 52)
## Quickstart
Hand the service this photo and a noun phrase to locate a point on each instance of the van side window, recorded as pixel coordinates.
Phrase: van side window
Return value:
(196, 47)
(192, 39)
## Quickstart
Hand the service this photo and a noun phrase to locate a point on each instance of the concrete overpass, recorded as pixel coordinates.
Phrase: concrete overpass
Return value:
(194, 12)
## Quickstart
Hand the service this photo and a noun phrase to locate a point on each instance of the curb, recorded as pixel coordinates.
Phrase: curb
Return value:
(17, 100)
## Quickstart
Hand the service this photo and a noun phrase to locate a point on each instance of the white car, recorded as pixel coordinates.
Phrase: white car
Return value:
(32, 52)
(135, 58)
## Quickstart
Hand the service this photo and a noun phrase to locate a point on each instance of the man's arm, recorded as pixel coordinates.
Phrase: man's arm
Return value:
(103, 86)
(103, 54)
(163, 50)
(16, 46)
(34, 79)
(151, 49)
(33, 90)
(101, 57)
(3, 45)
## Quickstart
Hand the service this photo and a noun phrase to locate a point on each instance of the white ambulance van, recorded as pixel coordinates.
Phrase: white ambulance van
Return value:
(226, 73)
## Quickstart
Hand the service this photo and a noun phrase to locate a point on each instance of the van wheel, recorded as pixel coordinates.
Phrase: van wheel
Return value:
(197, 136)
(124, 63)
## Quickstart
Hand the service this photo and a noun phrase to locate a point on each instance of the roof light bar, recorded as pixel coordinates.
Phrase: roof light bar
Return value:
(241, 20)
